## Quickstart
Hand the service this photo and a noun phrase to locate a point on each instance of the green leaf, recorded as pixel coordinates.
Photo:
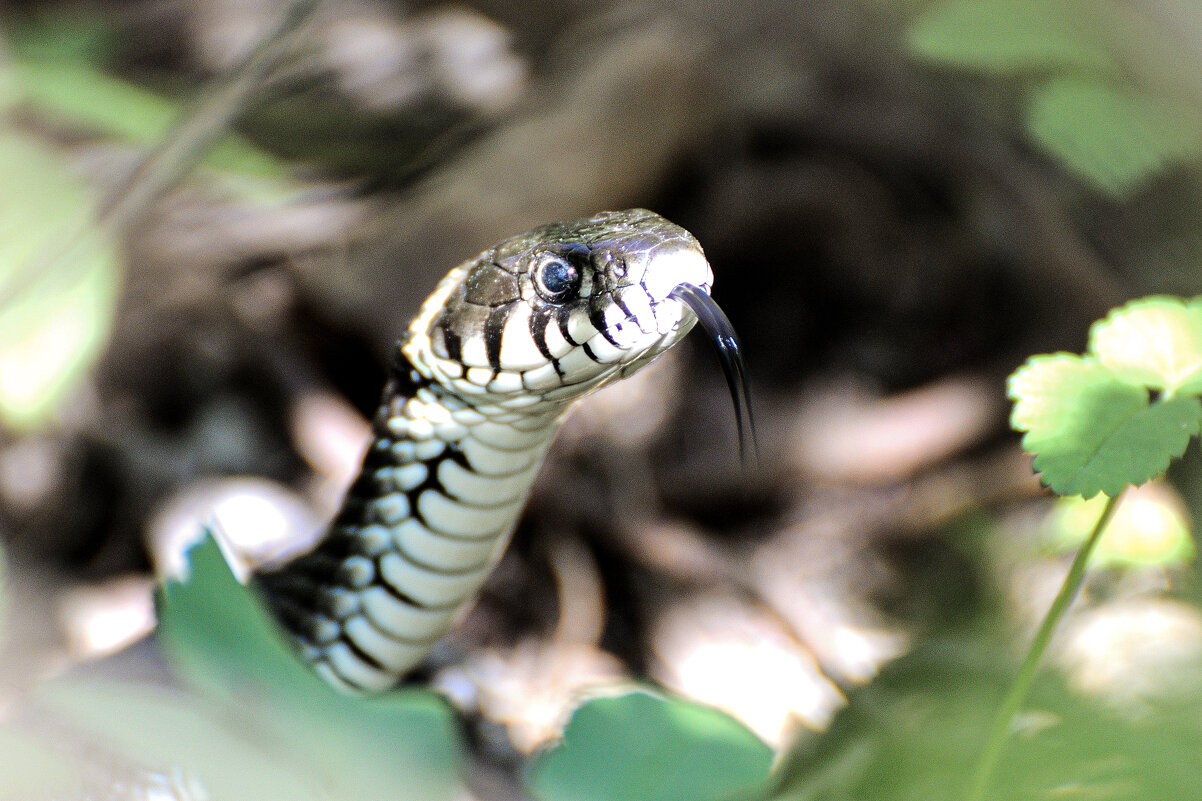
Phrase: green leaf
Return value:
(56, 72)
(1115, 138)
(87, 98)
(645, 747)
(167, 732)
(222, 640)
(33, 770)
(1150, 528)
(91, 99)
(1093, 432)
(403, 745)
(1155, 342)
(59, 281)
(1004, 36)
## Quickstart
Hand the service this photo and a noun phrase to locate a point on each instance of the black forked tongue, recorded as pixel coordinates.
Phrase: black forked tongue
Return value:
(730, 354)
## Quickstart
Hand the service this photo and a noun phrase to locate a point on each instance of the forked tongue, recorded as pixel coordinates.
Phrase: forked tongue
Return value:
(722, 334)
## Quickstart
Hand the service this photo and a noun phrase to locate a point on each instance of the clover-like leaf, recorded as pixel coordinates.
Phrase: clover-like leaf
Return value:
(1156, 342)
(1092, 431)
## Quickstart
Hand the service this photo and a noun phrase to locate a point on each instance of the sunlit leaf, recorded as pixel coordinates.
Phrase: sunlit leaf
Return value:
(645, 747)
(399, 746)
(1156, 342)
(1116, 138)
(1093, 432)
(59, 280)
(1004, 36)
(1149, 528)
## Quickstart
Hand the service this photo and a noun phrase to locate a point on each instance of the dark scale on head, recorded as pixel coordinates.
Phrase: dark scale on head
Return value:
(494, 332)
(538, 329)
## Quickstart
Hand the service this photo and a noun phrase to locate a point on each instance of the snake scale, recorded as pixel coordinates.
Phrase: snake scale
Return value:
(480, 381)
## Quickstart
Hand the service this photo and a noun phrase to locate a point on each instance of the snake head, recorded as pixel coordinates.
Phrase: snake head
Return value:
(547, 316)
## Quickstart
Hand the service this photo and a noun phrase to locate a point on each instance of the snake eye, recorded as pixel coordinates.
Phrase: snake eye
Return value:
(556, 279)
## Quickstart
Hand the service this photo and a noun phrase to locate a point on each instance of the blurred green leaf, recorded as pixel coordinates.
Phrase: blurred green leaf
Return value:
(1149, 528)
(62, 33)
(645, 747)
(165, 730)
(913, 733)
(1116, 138)
(402, 745)
(59, 281)
(1090, 430)
(1005, 36)
(33, 771)
(3, 593)
(88, 98)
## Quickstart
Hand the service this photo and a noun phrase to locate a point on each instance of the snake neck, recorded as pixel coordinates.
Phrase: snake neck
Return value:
(431, 511)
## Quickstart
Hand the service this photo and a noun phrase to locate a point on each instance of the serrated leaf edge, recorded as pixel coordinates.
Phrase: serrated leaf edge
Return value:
(1160, 467)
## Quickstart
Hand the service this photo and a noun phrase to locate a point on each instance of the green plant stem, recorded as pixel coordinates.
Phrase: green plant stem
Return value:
(1021, 686)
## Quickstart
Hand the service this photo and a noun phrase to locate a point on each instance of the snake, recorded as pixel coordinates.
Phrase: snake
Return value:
(478, 385)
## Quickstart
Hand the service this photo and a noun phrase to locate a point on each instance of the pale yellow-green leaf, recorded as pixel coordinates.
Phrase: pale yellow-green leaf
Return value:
(1154, 341)
(1149, 528)
(1092, 431)
(59, 281)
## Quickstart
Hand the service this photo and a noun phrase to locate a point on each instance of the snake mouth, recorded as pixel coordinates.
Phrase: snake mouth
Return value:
(730, 354)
